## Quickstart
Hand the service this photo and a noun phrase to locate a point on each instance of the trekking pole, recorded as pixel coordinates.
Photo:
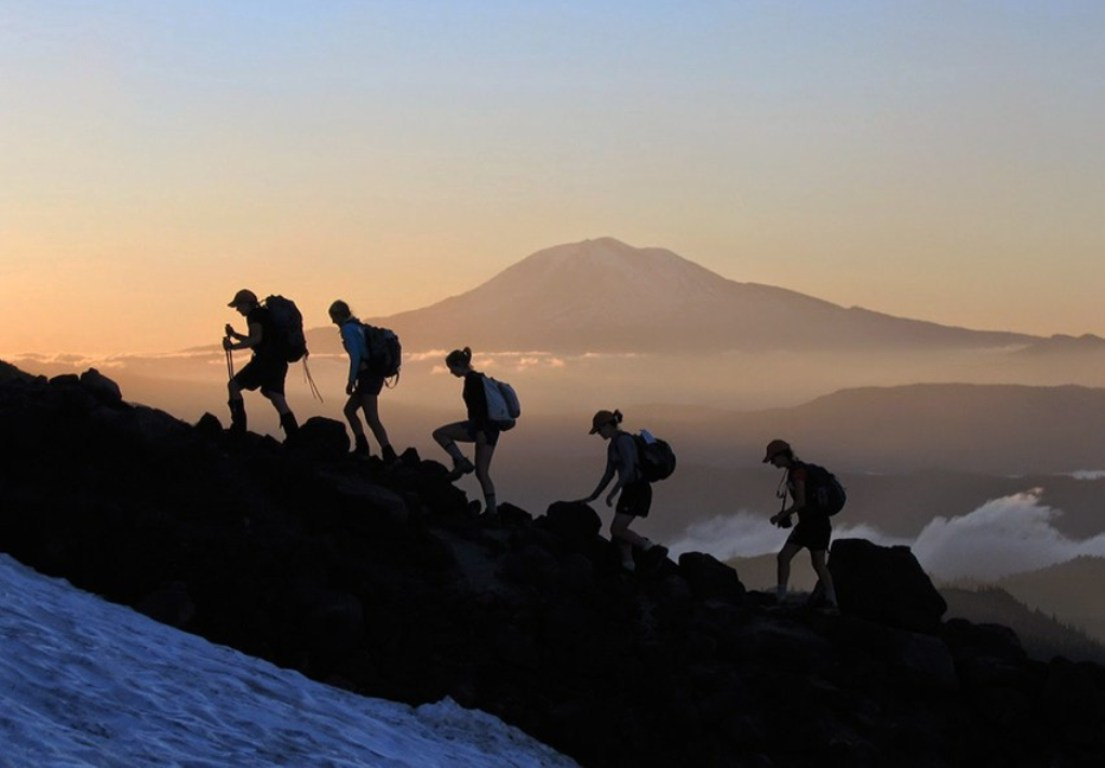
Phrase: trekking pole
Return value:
(310, 380)
(229, 365)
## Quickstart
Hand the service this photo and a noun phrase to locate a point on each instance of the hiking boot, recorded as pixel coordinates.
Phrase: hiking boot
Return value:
(237, 417)
(360, 449)
(460, 468)
(389, 454)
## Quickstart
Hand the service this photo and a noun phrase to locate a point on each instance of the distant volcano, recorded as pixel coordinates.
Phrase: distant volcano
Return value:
(605, 296)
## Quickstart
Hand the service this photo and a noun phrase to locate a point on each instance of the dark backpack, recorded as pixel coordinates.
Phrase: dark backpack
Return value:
(288, 341)
(655, 459)
(385, 353)
(824, 490)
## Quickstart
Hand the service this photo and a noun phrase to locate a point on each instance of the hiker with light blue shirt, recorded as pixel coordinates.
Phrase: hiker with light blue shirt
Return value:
(363, 385)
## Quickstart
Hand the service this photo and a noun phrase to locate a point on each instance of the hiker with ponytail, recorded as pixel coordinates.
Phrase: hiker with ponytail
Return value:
(477, 428)
(636, 491)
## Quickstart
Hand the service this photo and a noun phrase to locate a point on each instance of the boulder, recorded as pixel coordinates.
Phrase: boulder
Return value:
(574, 522)
(322, 439)
(885, 584)
(100, 386)
(709, 578)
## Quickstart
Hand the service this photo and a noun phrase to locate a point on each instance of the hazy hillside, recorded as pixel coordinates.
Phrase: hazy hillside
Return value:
(1006, 429)
(1043, 634)
(1070, 591)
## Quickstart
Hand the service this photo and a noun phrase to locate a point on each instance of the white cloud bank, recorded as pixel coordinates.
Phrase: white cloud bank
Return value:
(1002, 537)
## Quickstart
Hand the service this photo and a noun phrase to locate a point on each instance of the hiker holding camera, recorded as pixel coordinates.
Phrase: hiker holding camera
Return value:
(636, 491)
(266, 370)
(813, 530)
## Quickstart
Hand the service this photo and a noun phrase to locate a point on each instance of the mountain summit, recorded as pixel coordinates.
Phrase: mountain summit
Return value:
(606, 296)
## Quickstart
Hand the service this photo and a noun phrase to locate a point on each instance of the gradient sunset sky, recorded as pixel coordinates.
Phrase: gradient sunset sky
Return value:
(937, 160)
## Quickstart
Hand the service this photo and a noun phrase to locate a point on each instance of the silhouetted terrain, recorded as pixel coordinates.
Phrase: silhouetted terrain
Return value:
(381, 580)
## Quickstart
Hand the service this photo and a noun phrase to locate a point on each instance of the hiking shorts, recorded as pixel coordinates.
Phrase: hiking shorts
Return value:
(812, 532)
(491, 435)
(268, 373)
(368, 383)
(635, 499)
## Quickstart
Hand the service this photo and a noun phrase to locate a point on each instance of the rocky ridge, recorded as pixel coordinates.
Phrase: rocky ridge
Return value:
(383, 580)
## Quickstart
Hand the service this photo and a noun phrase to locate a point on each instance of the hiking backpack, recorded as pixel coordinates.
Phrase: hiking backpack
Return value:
(824, 489)
(384, 353)
(503, 408)
(287, 324)
(655, 458)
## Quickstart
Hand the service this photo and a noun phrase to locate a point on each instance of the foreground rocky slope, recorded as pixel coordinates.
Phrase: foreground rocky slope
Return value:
(383, 581)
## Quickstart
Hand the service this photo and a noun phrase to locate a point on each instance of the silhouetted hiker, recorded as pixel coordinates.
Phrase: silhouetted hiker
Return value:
(363, 386)
(478, 428)
(813, 530)
(267, 368)
(636, 491)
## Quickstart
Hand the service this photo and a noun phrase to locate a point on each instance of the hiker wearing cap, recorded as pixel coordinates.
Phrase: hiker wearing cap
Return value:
(477, 428)
(813, 530)
(635, 497)
(363, 386)
(266, 370)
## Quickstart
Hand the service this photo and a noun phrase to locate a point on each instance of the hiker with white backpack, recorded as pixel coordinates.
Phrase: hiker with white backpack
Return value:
(492, 407)
(367, 373)
(623, 463)
(268, 367)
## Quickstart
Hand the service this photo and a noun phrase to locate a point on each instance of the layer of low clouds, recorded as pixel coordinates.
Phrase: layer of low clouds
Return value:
(1004, 536)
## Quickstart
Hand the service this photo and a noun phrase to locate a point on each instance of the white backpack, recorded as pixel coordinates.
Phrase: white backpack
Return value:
(503, 407)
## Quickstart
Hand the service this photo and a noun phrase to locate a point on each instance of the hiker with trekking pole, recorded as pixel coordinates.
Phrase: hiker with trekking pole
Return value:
(266, 369)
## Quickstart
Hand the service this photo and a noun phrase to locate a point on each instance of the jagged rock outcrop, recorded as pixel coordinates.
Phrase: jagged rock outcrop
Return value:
(381, 580)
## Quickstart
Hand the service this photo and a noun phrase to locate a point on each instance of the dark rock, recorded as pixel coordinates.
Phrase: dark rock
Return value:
(334, 624)
(209, 426)
(574, 522)
(170, 605)
(101, 387)
(885, 584)
(709, 578)
(321, 439)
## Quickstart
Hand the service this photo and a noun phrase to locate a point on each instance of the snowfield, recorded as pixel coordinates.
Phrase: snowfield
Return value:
(89, 683)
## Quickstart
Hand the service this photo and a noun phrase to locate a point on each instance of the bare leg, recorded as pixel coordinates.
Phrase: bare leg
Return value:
(822, 569)
(619, 531)
(449, 435)
(278, 402)
(350, 413)
(484, 452)
(371, 406)
(786, 554)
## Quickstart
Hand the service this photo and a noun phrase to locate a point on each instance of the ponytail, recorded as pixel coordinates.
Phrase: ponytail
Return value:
(459, 358)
